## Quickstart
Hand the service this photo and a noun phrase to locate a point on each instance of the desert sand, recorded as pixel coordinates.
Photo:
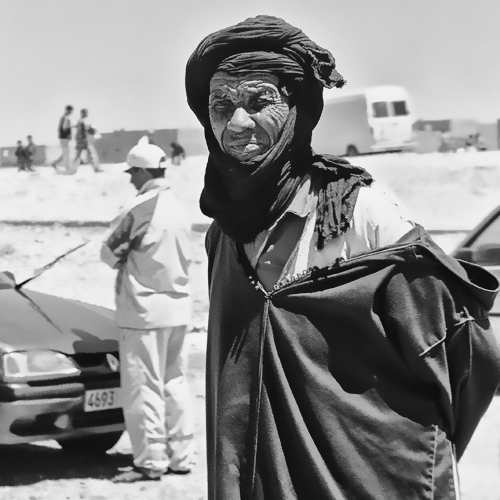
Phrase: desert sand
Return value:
(42, 215)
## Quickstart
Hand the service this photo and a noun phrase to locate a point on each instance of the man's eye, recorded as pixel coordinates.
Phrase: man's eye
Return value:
(221, 106)
(258, 104)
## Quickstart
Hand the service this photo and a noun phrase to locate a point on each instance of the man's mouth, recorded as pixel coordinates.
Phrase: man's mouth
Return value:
(241, 141)
(241, 144)
(243, 148)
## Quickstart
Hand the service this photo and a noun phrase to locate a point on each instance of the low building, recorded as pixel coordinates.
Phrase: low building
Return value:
(113, 147)
(456, 133)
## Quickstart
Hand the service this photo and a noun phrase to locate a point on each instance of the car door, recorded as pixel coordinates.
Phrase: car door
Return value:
(482, 246)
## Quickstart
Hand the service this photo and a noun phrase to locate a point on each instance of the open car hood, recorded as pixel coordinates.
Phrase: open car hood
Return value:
(34, 320)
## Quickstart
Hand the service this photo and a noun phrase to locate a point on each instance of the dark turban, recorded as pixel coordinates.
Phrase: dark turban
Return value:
(246, 197)
(264, 44)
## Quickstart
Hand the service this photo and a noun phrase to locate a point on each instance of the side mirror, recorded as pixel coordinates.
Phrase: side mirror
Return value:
(7, 280)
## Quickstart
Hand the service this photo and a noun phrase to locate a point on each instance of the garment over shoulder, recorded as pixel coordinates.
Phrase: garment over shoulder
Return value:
(360, 380)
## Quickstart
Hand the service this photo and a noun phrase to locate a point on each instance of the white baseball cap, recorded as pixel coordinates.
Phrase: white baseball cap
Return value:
(146, 156)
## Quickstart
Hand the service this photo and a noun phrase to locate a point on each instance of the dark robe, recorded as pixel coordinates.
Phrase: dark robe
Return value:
(359, 381)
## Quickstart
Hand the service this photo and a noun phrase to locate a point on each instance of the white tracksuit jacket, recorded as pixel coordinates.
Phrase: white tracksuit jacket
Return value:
(149, 245)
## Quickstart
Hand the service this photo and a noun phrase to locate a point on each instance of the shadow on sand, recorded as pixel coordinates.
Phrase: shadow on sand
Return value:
(26, 464)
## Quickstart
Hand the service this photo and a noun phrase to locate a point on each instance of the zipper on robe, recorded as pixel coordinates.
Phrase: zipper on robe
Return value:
(254, 414)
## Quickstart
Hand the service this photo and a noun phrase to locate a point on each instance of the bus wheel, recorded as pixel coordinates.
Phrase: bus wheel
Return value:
(352, 151)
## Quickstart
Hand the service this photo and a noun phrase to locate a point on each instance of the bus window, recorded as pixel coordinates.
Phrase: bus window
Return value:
(400, 108)
(380, 109)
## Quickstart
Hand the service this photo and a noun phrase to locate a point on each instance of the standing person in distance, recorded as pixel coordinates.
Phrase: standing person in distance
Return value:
(178, 153)
(19, 152)
(64, 133)
(348, 357)
(148, 243)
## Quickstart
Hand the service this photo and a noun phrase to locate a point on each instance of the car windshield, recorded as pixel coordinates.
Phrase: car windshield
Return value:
(489, 235)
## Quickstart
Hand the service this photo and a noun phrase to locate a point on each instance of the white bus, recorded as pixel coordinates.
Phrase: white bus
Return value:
(373, 120)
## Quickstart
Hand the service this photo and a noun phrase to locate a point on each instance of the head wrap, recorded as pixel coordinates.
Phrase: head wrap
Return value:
(246, 197)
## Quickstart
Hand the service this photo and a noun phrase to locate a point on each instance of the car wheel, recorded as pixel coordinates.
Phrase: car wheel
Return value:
(90, 445)
(352, 150)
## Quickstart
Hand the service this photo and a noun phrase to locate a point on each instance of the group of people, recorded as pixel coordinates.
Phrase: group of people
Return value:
(348, 356)
(85, 137)
(25, 155)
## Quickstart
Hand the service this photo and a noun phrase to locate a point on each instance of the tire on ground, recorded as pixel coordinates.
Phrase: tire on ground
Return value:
(90, 445)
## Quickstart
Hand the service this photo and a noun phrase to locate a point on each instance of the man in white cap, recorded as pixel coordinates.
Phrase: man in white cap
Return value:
(148, 243)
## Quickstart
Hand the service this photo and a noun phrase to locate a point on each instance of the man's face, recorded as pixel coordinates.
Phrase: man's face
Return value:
(138, 177)
(247, 113)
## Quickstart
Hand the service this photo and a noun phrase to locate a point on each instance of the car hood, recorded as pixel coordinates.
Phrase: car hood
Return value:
(34, 320)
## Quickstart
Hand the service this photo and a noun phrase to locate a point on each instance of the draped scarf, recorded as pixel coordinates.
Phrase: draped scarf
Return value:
(245, 198)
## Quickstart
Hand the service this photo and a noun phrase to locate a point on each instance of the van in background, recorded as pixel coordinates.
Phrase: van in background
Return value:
(376, 119)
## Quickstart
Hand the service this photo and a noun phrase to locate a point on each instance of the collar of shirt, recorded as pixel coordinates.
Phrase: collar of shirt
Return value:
(155, 184)
(302, 202)
(301, 205)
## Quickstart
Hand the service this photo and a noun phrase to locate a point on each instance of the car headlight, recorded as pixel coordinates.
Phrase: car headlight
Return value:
(20, 366)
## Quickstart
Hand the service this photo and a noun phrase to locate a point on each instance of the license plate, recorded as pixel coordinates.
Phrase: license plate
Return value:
(102, 399)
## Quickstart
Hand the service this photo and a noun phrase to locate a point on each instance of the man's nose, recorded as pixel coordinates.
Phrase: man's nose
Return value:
(240, 121)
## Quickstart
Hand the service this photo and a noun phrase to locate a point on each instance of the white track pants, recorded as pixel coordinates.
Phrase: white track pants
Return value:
(65, 158)
(157, 402)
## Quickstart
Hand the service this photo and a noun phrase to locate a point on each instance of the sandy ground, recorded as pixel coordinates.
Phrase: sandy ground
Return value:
(442, 192)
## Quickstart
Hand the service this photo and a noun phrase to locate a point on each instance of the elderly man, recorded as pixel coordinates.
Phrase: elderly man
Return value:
(348, 356)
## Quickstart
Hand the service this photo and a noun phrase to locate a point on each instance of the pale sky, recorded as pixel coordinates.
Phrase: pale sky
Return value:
(124, 60)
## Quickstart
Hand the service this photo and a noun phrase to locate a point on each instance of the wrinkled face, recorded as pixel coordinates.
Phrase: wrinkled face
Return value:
(247, 113)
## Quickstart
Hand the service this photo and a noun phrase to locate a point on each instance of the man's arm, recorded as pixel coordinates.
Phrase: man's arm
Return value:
(66, 124)
(128, 230)
(117, 242)
(379, 216)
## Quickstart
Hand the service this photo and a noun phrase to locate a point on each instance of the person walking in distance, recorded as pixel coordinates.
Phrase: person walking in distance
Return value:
(85, 141)
(148, 243)
(29, 154)
(64, 133)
